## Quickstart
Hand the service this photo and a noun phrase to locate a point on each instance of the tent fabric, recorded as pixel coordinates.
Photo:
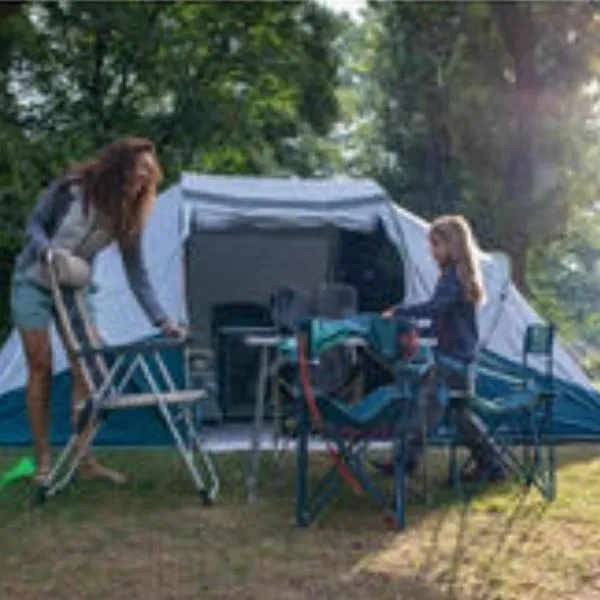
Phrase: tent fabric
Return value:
(202, 202)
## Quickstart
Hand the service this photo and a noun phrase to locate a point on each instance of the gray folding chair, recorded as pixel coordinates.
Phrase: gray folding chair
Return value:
(335, 300)
(336, 368)
(108, 372)
(288, 306)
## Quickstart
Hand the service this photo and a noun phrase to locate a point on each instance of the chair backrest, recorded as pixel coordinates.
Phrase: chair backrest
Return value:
(289, 306)
(75, 328)
(539, 343)
(335, 300)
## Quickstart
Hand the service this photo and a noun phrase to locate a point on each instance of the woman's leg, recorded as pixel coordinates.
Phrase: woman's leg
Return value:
(38, 355)
(90, 467)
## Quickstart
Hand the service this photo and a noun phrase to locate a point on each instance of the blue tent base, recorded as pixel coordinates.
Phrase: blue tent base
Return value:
(576, 412)
(131, 427)
(136, 427)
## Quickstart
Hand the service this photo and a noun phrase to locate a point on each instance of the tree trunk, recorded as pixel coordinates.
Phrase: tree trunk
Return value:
(518, 32)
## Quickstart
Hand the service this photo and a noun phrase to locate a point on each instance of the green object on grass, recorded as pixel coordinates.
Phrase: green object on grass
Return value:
(23, 469)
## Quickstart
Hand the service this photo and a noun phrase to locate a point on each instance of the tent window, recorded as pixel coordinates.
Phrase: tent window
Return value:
(371, 263)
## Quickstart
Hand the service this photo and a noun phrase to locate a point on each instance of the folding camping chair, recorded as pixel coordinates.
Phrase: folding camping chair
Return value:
(347, 429)
(108, 371)
(335, 300)
(288, 307)
(338, 373)
(522, 416)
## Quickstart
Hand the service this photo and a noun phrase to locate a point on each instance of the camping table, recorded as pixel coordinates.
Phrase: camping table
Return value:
(265, 339)
(266, 342)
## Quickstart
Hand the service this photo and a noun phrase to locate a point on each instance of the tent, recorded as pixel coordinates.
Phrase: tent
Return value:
(215, 241)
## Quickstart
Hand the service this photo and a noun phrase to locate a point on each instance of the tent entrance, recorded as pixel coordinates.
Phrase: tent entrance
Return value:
(231, 274)
(370, 262)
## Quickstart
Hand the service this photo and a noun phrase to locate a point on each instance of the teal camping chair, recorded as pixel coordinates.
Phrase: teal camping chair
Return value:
(521, 417)
(347, 429)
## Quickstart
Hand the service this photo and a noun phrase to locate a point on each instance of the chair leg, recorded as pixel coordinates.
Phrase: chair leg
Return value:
(302, 516)
(453, 468)
(425, 455)
(69, 459)
(551, 470)
(202, 460)
(399, 478)
(528, 460)
(551, 453)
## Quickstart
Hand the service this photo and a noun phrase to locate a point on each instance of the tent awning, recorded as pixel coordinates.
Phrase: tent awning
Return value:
(213, 202)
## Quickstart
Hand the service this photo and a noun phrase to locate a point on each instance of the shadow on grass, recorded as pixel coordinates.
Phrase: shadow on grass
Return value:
(517, 517)
(256, 551)
(158, 480)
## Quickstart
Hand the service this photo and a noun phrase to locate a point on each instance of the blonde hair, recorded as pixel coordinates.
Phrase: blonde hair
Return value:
(456, 233)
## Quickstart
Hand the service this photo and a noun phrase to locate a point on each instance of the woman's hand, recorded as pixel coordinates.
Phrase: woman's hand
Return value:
(173, 330)
(390, 313)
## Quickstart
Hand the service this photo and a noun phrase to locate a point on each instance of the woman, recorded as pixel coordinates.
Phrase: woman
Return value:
(85, 209)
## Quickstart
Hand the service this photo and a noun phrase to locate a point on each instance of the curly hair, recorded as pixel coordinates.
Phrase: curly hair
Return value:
(456, 233)
(108, 183)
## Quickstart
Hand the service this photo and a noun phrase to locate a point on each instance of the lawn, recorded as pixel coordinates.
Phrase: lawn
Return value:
(153, 540)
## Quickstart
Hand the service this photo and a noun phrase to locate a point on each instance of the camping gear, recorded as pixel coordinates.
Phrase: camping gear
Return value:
(346, 429)
(528, 407)
(109, 373)
(278, 369)
(238, 239)
(288, 307)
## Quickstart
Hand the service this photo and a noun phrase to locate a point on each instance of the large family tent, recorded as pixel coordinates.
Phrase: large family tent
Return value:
(218, 243)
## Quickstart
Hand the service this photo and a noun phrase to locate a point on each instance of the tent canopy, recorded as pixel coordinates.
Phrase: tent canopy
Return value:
(287, 210)
(247, 236)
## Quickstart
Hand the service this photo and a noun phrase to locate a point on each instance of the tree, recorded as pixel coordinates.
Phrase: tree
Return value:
(9, 8)
(221, 87)
(565, 278)
(482, 110)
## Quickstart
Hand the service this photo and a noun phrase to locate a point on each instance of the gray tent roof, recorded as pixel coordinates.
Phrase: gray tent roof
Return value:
(219, 202)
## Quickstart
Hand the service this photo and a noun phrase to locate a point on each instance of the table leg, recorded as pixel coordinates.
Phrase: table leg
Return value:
(259, 410)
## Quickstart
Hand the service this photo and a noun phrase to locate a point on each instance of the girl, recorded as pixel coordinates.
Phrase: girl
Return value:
(91, 205)
(452, 310)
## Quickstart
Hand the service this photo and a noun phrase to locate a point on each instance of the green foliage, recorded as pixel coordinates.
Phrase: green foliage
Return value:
(220, 87)
(480, 108)
(235, 87)
(489, 109)
(565, 279)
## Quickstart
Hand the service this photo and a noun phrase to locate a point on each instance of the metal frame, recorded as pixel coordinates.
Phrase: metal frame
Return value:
(107, 370)
(348, 449)
(532, 404)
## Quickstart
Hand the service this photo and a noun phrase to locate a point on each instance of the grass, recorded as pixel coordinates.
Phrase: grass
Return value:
(153, 540)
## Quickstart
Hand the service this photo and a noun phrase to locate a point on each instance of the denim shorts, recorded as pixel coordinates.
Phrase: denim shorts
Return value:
(32, 306)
